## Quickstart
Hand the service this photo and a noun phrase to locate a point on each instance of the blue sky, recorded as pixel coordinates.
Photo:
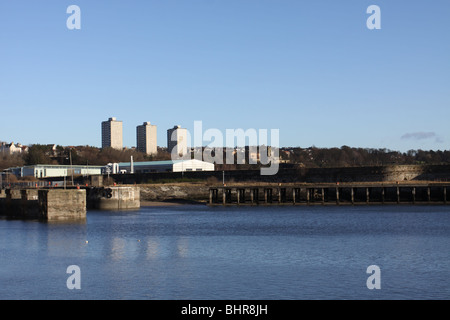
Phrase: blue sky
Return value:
(311, 69)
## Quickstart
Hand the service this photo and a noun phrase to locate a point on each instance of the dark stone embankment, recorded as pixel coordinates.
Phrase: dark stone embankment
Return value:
(43, 204)
(152, 190)
(298, 175)
(181, 193)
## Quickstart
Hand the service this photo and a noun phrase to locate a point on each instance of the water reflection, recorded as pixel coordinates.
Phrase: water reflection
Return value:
(152, 249)
(231, 253)
(148, 249)
(183, 247)
(65, 239)
(117, 249)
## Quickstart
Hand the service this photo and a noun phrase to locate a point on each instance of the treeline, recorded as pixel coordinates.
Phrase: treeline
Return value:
(81, 155)
(354, 157)
(306, 157)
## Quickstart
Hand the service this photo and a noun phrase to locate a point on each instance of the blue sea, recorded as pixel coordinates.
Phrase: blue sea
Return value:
(194, 252)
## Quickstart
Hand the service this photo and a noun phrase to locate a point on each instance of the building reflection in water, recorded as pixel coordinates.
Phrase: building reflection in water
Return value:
(65, 238)
(148, 249)
(152, 249)
(183, 247)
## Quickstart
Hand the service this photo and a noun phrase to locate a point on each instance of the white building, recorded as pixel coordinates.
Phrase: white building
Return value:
(112, 134)
(177, 138)
(146, 138)
(160, 166)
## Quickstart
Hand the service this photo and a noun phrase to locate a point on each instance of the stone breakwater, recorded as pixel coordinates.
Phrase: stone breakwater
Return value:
(171, 192)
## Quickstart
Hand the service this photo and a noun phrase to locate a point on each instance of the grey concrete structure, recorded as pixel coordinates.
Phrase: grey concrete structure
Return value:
(114, 198)
(60, 204)
(44, 204)
(66, 204)
(29, 208)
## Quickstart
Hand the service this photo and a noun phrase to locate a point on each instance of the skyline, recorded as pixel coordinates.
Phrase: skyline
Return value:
(312, 70)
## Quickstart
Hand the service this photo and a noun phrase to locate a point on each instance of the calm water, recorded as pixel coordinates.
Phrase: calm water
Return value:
(195, 252)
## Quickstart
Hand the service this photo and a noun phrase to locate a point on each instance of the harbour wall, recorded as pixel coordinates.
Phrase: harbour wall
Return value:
(65, 204)
(201, 193)
(62, 204)
(170, 192)
(44, 204)
(301, 175)
(334, 194)
(114, 198)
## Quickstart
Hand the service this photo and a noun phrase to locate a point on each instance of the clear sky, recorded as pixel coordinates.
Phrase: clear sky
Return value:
(311, 69)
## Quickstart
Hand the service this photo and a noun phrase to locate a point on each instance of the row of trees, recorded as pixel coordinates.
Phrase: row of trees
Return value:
(82, 155)
(308, 157)
(353, 157)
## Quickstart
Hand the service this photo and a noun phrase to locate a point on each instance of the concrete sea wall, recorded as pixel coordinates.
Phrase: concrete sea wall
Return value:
(114, 198)
(297, 175)
(66, 204)
(44, 204)
(167, 192)
(62, 204)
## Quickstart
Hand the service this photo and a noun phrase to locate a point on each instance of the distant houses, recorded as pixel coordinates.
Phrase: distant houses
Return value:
(12, 148)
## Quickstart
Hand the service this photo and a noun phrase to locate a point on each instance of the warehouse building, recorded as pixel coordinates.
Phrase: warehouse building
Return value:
(54, 171)
(160, 166)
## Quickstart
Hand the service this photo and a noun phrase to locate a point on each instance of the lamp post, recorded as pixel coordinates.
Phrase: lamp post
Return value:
(71, 167)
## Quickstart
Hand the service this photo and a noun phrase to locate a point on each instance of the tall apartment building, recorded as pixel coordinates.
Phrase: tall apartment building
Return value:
(177, 138)
(112, 134)
(146, 138)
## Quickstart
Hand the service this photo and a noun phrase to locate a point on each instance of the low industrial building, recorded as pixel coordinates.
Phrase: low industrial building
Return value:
(160, 166)
(54, 171)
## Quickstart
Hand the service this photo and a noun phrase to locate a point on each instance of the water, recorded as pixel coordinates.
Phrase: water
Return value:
(195, 252)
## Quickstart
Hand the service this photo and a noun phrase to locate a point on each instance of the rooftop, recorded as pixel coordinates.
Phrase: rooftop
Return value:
(155, 163)
(58, 166)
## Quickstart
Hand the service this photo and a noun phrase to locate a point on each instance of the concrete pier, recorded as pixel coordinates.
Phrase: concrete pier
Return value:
(13, 203)
(30, 204)
(331, 194)
(114, 198)
(44, 204)
(66, 204)
(60, 204)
